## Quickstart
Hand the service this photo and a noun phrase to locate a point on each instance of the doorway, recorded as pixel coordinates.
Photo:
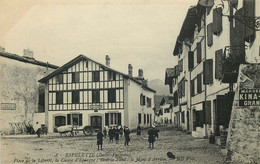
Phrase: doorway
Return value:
(96, 122)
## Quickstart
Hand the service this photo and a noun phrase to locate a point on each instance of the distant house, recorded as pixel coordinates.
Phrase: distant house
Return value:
(165, 112)
(84, 92)
(21, 96)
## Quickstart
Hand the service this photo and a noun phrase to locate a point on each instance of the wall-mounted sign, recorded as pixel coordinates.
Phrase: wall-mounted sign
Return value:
(8, 106)
(95, 106)
(249, 97)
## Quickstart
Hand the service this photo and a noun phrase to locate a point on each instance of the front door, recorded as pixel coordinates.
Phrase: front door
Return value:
(96, 122)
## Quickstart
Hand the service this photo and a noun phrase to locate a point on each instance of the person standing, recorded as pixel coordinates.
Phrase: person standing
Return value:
(138, 130)
(100, 139)
(111, 134)
(117, 131)
(151, 137)
(127, 136)
(105, 132)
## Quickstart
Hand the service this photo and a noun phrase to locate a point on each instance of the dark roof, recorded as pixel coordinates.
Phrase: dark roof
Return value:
(188, 26)
(27, 60)
(82, 57)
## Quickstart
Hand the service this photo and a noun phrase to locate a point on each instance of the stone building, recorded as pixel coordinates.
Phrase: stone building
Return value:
(218, 55)
(21, 96)
(84, 92)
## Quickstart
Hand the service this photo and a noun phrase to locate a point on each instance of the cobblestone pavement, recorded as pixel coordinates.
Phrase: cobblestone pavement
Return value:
(83, 149)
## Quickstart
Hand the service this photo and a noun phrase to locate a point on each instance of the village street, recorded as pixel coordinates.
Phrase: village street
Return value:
(83, 149)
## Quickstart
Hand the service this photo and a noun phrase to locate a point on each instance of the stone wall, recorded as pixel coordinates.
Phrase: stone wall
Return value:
(243, 142)
(19, 85)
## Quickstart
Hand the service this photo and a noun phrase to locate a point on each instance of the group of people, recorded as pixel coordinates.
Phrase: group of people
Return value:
(113, 133)
(116, 131)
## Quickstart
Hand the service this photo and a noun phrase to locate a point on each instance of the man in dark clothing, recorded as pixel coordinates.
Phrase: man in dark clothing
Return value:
(105, 132)
(151, 137)
(117, 131)
(38, 132)
(111, 134)
(127, 137)
(138, 130)
(99, 139)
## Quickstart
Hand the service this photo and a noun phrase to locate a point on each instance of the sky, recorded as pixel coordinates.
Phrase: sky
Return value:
(137, 32)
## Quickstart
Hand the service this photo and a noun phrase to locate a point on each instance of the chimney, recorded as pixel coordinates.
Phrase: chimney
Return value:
(2, 49)
(130, 70)
(107, 61)
(140, 73)
(28, 53)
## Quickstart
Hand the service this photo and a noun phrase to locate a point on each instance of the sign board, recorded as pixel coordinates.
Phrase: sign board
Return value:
(8, 106)
(95, 106)
(249, 97)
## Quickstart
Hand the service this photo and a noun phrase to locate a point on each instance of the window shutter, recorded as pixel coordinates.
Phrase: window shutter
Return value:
(249, 12)
(106, 119)
(199, 83)
(192, 88)
(220, 112)
(119, 119)
(218, 64)
(208, 71)
(180, 63)
(170, 87)
(210, 34)
(198, 52)
(217, 21)
(191, 60)
(68, 119)
(183, 88)
(207, 106)
(179, 90)
(141, 99)
(80, 119)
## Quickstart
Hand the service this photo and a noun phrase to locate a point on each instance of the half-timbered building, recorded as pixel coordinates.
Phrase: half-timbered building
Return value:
(84, 92)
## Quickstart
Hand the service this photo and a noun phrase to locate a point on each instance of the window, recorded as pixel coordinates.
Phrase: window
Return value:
(210, 34)
(144, 118)
(183, 88)
(111, 95)
(141, 99)
(95, 76)
(59, 97)
(111, 75)
(113, 119)
(95, 96)
(41, 101)
(139, 118)
(75, 77)
(74, 119)
(148, 119)
(86, 64)
(208, 71)
(75, 97)
(59, 78)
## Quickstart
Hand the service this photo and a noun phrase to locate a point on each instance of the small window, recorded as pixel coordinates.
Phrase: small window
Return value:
(95, 76)
(95, 96)
(111, 95)
(59, 78)
(75, 97)
(74, 119)
(111, 75)
(75, 77)
(59, 97)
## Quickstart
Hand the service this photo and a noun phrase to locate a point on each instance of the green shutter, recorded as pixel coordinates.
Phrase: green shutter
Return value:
(80, 119)
(217, 20)
(119, 119)
(198, 52)
(218, 64)
(210, 34)
(68, 119)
